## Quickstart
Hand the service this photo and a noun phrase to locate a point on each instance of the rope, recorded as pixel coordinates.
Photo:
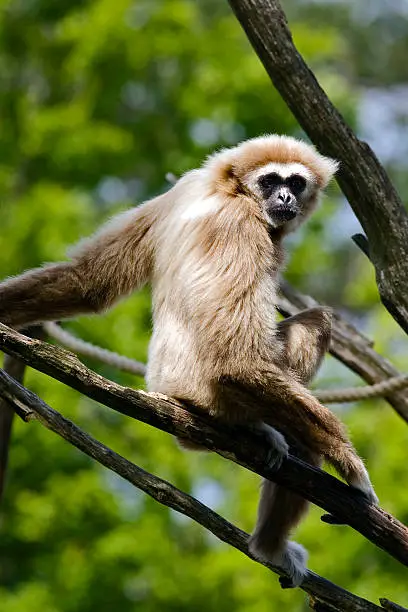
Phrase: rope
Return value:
(353, 394)
(326, 396)
(91, 350)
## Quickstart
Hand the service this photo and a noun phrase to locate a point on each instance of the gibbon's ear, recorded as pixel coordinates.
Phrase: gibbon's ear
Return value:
(228, 182)
(326, 169)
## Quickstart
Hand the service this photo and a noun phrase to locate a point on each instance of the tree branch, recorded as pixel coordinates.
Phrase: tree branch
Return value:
(361, 176)
(238, 444)
(391, 606)
(16, 369)
(350, 347)
(29, 406)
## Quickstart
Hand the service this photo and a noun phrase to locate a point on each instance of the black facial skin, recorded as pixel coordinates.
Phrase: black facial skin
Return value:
(281, 196)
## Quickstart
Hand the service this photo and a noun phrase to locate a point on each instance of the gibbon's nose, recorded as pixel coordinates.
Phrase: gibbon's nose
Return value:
(285, 196)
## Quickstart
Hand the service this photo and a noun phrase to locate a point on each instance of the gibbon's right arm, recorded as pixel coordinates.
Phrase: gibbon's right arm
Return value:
(112, 263)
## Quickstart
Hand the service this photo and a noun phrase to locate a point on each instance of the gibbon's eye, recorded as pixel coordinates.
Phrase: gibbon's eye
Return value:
(267, 181)
(296, 183)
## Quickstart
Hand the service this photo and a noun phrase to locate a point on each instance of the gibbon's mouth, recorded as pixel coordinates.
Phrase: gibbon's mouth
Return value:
(284, 213)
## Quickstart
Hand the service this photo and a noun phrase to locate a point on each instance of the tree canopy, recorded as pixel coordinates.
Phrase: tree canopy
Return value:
(100, 100)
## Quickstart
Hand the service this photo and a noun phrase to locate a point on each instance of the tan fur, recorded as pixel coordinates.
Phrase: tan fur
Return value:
(107, 266)
(212, 258)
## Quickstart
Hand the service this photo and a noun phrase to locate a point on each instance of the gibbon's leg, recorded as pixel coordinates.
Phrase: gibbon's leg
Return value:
(280, 511)
(305, 337)
(110, 264)
(297, 413)
(274, 397)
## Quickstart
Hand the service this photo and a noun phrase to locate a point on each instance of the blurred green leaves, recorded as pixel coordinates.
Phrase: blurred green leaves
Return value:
(100, 99)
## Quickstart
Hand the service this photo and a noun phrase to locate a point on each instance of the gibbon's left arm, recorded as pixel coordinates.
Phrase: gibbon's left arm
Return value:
(110, 264)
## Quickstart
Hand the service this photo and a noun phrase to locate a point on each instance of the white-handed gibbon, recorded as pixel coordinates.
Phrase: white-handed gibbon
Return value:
(211, 247)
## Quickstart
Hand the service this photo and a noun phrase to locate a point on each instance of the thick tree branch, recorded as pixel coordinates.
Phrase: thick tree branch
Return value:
(391, 606)
(361, 177)
(237, 444)
(350, 347)
(29, 406)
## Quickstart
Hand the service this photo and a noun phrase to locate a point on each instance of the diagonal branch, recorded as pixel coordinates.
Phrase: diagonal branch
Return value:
(361, 177)
(391, 606)
(29, 406)
(350, 347)
(242, 446)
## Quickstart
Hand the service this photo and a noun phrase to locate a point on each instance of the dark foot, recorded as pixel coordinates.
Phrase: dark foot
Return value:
(286, 583)
(330, 519)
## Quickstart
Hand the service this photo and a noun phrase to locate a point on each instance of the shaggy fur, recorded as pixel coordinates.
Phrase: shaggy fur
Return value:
(212, 251)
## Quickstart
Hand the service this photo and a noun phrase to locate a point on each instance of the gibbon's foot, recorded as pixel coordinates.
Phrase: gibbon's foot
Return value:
(364, 489)
(362, 482)
(285, 582)
(292, 559)
(279, 448)
(330, 519)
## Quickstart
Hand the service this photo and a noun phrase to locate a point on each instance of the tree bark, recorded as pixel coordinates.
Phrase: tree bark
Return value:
(361, 177)
(238, 444)
(29, 407)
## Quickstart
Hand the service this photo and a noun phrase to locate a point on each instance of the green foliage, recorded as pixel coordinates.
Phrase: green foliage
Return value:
(99, 100)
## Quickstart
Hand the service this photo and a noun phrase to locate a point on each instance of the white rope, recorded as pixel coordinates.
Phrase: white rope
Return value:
(353, 394)
(91, 350)
(326, 396)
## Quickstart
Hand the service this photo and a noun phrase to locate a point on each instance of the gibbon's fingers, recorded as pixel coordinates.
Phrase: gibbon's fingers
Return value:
(278, 447)
(110, 264)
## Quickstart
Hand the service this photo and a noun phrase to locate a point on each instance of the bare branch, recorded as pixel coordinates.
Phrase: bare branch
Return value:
(165, 493)
(238, 444)
(361, 177)
(391, 606)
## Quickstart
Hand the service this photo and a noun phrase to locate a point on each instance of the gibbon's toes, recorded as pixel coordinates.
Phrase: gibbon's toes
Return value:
(330, 519)
(292, 559)
(285, 582)
(363, 484)
(279, 448)
(371, 496)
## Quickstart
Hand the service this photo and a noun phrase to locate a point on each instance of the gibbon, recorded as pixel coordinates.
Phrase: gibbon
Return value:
(211, 248)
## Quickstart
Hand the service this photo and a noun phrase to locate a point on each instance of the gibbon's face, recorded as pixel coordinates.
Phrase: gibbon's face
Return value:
(280, 177)
(284, 190)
